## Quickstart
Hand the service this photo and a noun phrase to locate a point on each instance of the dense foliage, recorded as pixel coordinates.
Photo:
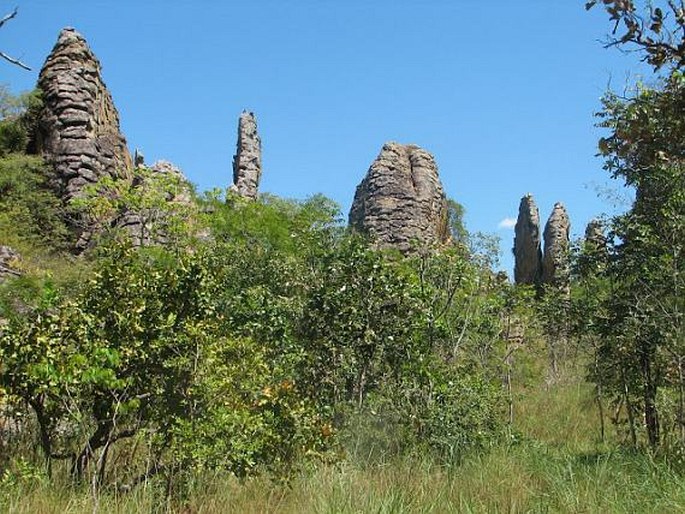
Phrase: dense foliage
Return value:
(630, 299)
(262, 335)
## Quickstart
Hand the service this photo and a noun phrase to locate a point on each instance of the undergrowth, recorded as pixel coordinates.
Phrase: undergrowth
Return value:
(555, 462)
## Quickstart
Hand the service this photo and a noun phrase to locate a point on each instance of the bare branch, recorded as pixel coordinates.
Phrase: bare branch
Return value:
(8, 17)
(14, 61)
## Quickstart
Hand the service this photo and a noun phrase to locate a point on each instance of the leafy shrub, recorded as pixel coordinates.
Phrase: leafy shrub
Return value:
(446, 413)
(141, 350)
(18, 120)
(31, 214)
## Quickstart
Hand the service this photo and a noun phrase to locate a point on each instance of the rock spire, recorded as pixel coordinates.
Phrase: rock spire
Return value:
(594, 234)
(247, 162)
(527, 243)
(401, 202)
(78, 131)
(555, 265)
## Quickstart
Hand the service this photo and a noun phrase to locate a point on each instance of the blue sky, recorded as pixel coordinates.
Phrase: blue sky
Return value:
(501, 92)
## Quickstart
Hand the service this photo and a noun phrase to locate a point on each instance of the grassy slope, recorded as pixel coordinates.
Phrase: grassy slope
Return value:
(558, 466)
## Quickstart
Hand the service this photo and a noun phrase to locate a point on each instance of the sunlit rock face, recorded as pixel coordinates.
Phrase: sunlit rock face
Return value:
(78, 129)
(527, 243)
(401, 203)
(555, 265)
(247, 162)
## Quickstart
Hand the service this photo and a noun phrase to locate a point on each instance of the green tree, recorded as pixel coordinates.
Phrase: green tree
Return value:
(18, 119)
(642, 350)
(455, 222)
(156, 207)
(31, 215)
(145, 351)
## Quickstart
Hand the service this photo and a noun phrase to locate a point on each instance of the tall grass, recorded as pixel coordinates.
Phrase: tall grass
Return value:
(518, 479)
(556, 463)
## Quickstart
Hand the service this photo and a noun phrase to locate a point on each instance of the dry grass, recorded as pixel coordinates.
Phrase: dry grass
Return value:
(558, 465)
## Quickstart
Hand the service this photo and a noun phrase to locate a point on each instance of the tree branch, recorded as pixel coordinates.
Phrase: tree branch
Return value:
(8, 17)
(14, 61)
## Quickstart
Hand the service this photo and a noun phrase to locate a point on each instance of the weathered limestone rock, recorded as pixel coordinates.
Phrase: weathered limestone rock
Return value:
(595, 254)
(78, 130)
(594, 234)
(182, 193)
(8, 263)
(247, 162)
(555, 265)
(527, 249)
(401, 202)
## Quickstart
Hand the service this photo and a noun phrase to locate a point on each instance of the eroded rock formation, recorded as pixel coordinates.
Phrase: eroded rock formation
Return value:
(555, 265)
(401, 202)
(78, 130)
(527, 243)
(9, 259)
(247, 162)
(594, 234)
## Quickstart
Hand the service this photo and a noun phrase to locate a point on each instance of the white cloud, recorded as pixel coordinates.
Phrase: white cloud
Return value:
(507, 223)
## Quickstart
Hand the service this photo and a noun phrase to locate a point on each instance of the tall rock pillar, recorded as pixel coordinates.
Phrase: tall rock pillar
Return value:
(78, 128)
(527, 243)
(401, 202)
(594, 234)
(555, 265)
(78, 131)
(247, 162)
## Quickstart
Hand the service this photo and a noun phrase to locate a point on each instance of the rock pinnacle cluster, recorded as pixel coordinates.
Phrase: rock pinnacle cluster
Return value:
(401, 203)
(532, 266)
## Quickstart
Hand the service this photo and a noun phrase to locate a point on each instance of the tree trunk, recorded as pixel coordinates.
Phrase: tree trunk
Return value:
(650, 390)
(45, 440)
(96, 441)
(598, 398)
(629, 409)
